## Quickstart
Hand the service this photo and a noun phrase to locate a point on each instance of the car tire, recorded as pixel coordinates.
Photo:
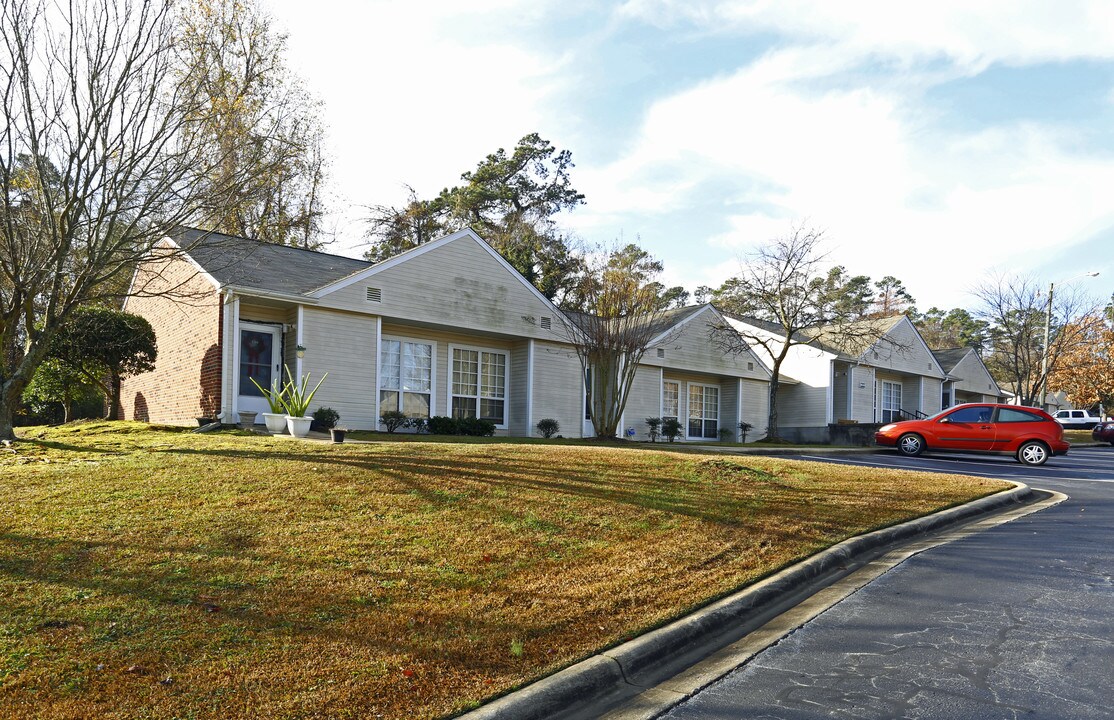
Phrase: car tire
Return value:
(910, 444)
(1033, 453)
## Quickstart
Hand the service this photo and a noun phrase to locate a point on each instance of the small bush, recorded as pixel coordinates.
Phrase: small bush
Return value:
(393, 420)
(671, 429)
(418, 425)
(475, 427)
(325, 418)
(441, 425)
(654, 425)
(548, 427)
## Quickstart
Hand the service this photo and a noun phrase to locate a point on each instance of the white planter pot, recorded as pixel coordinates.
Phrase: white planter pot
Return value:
(298, 426)
(247, 417)
(276, 422)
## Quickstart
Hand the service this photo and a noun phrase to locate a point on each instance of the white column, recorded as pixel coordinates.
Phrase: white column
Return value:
(298, 340)
(530, 387)
(378, 350)
(235, 369)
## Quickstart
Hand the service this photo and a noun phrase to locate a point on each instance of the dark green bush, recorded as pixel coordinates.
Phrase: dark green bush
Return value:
(671, 429)
(475, 427)
(548, 427)
(393, 420)
(325, 418)
(441, 425)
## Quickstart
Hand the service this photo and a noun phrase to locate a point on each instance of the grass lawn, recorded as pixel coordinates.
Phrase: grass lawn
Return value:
(152, 573)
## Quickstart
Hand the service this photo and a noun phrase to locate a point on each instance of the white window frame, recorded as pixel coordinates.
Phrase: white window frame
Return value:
(449, 394)
(703, 418)
(676, 383)
(893, 385)
(432, 373)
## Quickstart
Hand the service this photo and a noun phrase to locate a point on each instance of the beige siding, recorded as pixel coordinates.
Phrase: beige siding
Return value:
(756, 408)
(729, 408)
(841, 396)
(802, 405)
(974, 377)
(458, 284)
(644, 400)
(863, 409)
(906, 353)
(558, 387)
(692, 347)
(931, 392)
(343, 345)
(517, 373)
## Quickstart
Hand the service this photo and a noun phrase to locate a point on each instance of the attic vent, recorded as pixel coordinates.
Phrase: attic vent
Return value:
(374, 295)
(547, 323)
(661, 352)
(750, 366)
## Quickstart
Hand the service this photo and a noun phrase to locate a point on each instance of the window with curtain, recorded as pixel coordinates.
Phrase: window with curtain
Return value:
(406, 377)
(670, 400)
(703, 411)
(479, 385)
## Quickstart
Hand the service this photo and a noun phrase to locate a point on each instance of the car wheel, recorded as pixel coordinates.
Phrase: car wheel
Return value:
(1033, 453)
(910, 444)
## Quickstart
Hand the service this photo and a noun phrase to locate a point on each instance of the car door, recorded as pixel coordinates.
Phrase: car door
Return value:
(966, 428)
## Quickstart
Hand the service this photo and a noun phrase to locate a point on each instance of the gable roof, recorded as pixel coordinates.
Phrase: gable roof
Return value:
(256, 265)
(949, 358)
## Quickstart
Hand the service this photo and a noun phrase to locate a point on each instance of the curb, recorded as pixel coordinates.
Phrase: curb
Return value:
(628, 668)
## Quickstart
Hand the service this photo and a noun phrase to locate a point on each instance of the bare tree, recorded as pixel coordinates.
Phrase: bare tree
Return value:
(788, 289)
(613, 314)
(1016, 310)
(99, 162)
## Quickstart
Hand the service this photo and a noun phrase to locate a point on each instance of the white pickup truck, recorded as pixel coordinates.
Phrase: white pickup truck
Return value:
(1076, 419)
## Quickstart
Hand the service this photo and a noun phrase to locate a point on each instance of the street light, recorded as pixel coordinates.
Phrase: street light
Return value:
(1047, 328)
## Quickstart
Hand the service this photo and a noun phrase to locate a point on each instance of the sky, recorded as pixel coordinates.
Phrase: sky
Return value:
(942, 143)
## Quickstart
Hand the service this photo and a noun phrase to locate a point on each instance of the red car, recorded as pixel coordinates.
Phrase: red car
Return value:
(1103, 432)
(1029, 434)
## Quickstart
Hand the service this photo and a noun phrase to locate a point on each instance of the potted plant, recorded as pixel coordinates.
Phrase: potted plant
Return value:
(296, 401)
(337, 434)
(276, 419)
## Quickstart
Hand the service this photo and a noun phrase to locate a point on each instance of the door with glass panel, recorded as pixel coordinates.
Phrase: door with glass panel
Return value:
(260, 360)
(703, 421)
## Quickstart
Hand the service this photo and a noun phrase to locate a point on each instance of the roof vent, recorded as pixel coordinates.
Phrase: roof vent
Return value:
(661, 352)
(374, 295)
(547, 323)
(750, 366)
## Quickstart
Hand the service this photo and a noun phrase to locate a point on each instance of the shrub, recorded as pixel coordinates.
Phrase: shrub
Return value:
(671, 429)
(418, 425)
(325, 417)
(654, 425)
(475, 427)
(548, 427)
(744, 428)
(393, 420)
(441, 425)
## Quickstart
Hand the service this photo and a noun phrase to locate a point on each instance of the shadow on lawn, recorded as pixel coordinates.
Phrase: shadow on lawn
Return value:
(427, 477)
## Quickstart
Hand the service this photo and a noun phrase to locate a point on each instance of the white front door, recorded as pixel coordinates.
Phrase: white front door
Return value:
(260, 359)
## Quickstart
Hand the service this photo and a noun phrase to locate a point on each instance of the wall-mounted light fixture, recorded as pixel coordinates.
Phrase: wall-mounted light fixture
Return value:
(300, 351)
(862, 385)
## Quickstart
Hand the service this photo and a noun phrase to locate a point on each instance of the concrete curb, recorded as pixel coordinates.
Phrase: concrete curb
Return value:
(626, 669)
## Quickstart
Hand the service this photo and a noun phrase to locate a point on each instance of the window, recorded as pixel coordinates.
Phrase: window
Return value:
(405, 377)
(670, 400)
(703, 411)
(891, 402)
(975, 414)
(479, 386)
(1009, 415)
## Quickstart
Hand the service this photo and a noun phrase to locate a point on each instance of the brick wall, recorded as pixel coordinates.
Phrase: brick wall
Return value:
(187, 318)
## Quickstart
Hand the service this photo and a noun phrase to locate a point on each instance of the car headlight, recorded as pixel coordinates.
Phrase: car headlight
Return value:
(886, 428)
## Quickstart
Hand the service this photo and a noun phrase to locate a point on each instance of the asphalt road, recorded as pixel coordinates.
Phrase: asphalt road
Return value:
(1015, 621)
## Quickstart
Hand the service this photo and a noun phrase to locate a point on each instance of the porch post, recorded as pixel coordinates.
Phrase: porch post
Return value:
(226, 360)
(530, 387)
(298, 340)
(378, 350)
(234, 366)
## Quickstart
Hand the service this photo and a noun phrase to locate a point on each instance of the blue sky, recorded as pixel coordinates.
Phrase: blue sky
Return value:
(939, 144)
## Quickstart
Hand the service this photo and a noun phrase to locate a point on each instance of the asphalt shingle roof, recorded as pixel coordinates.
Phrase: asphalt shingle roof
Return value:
(950, 357)
(258, 265)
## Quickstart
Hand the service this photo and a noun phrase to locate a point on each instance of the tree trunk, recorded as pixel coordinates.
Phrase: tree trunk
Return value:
(771, 426)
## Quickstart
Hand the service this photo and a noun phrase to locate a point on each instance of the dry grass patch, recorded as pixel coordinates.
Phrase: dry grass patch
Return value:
(151, 573)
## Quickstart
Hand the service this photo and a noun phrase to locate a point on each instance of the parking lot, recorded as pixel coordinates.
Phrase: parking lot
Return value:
(1011, 621)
